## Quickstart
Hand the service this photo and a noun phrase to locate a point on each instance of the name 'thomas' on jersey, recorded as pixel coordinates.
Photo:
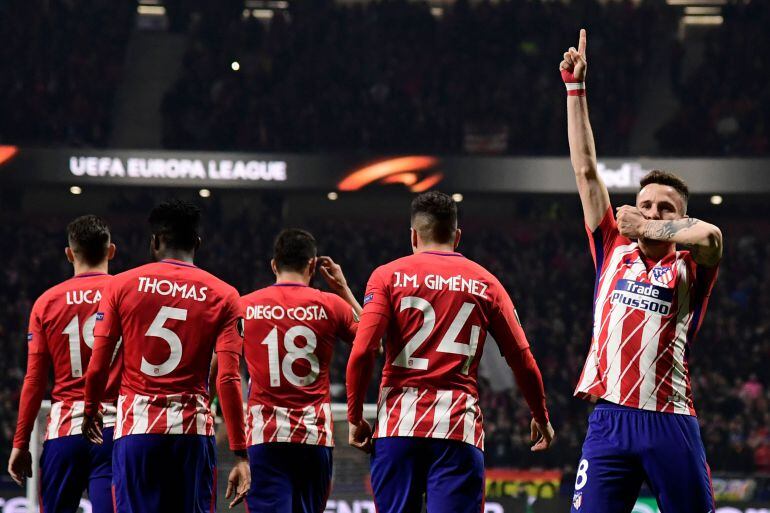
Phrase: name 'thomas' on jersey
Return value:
(646, 315)
(172, 316)
(440, 308)
(61, 328)
(290, 333)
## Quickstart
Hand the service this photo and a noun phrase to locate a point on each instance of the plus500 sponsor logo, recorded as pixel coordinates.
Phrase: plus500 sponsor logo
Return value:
(643, 296)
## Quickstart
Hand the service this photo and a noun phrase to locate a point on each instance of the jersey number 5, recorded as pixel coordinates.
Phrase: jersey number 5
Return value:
(157, 329)
(448, 342)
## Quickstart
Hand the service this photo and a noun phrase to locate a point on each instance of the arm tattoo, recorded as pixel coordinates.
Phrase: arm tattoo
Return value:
(666, 230)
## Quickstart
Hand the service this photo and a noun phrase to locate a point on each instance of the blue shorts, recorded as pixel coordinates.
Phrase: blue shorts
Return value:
(165, 473)
(289, 478)
(70, 465)
(625, 447)
(449, 475)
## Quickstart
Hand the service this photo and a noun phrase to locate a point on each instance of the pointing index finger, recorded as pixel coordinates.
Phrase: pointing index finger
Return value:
(582, 42)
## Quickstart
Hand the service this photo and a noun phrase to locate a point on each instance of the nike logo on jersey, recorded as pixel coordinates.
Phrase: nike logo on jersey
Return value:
(643, 296)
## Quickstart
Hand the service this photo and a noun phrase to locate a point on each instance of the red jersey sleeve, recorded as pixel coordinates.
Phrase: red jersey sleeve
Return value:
(509, 335)
(229, 347)
(107, 332)
(347, 325)
(33, 389)
(107, 317)
(603, 238)
(704, 279)
(374, 322)
(36, 339)
(230, 336)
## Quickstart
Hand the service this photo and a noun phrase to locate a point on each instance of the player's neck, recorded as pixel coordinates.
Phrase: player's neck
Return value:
(182, 256)
(441, 248)
(292, 277)
(83, 268)
(656, 250)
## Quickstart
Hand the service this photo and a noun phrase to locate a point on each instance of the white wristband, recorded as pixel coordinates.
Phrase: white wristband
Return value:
(575, 86)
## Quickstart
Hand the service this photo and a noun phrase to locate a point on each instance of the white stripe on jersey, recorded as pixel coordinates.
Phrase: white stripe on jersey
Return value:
(441, 414)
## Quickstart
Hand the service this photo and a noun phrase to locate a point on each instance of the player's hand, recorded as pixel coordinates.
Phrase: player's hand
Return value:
(360, 436)
(20, 465)
(92, 428)
(542, 435)
(238, 482)
(631, 222)
(332, 273)
(574, 66)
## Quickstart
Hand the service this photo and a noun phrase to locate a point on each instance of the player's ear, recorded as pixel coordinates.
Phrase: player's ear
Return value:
(413, 236)
(155, 242)
(458, 234)
(273, 266)
(69, 254)
(198, 242)
(312, 263)
(111, 251)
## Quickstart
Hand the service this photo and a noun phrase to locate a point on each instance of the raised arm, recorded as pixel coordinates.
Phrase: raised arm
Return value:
(335, 279)
(593, 192)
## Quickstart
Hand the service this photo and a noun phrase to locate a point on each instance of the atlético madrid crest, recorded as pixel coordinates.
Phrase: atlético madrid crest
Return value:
(662, 275)
(577, 500)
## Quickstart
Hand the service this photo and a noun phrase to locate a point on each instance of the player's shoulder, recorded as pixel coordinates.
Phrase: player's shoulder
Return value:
(259, 294)
(329, 298)
(215, 284)
(399, 264)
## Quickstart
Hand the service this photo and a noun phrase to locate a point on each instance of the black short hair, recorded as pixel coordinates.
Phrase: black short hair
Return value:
(177, 222)
(89, 238)
(293, 249)
(666, 178)
(434, 216)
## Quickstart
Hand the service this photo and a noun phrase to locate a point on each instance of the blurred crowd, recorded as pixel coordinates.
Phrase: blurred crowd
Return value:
(391, 76)
(724, 103)
(395, 76)
(542, 258)
(60, 65)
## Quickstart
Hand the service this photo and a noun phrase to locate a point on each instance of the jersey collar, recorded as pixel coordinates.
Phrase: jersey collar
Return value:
(443, 253)
(174, 261)
(289, 284)
(90, 273)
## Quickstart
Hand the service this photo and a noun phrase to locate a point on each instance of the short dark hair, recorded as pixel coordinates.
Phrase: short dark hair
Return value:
(293, 249)
(177, 222)
(666, 178)
(434, 216)
(89, 237)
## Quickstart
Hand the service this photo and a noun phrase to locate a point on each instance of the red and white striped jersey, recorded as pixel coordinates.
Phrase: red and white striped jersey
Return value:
(172, 317)
(646, 315)
(439, 308)
(290, 333)
(426, 413)
(66, 418)
(174, 414)
(61, 334)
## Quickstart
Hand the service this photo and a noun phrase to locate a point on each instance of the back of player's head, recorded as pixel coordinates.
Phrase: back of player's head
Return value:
(434, 217)
(176, 222)
(293, 250)
(666, 178)
(89, 239)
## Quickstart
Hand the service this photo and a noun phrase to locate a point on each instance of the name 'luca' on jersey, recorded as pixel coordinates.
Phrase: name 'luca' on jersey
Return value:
(455, 283)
